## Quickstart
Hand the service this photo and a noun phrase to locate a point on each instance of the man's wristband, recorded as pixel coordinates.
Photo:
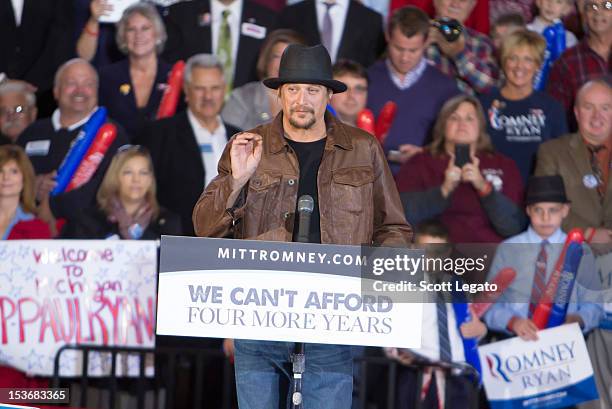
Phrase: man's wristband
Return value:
(511, 323)
(591, 235)
(91, 32)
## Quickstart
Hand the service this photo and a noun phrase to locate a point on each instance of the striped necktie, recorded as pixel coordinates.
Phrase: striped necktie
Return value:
(539, 278)
(443, 335)
(597, 172)
(328, 27)
(224, 50)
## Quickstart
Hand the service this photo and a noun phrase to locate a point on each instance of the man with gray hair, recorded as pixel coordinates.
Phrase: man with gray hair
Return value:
(17, 109)
(193, 139)
(47, 141)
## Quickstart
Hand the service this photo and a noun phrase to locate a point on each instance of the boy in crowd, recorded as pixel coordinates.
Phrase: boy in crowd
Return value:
(549, 11)
(441, 338)
(505, 25)
(350, 103)
(533, 254)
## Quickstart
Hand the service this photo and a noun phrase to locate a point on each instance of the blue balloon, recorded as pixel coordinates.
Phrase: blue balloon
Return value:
(470, 345)
(78, 149)
(555, 45)
(573, 255)
(332, 110)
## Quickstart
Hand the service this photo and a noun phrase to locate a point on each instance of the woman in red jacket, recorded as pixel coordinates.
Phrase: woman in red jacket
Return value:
(17, 204)
(478, 201)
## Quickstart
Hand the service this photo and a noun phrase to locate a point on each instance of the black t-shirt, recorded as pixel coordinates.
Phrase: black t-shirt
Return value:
(309, 156)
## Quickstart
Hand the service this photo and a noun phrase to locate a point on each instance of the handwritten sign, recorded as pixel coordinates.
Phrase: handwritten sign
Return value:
(58, 292)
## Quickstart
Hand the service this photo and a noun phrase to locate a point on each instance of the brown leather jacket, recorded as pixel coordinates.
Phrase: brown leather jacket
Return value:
(358, 199)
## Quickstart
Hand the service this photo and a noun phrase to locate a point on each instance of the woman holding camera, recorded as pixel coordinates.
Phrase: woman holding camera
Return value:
(127, 205)
(474, 191)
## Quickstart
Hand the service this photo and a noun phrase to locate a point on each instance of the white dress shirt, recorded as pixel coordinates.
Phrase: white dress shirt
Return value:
(430, 345)
(57, 125)
(410, 78)
(18, 10)
(217, 8)
(338, 16)
(211, 145)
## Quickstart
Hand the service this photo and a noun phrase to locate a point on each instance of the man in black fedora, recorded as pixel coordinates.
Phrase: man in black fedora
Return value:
(533, 254)
(262, 173)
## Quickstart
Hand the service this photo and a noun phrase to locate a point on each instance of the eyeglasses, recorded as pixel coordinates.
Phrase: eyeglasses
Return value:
(134, 148)
(16, 110)
(595, 7)
(129, 147)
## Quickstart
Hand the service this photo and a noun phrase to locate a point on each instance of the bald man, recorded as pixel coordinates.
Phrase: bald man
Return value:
(583, 160)
(48, 140)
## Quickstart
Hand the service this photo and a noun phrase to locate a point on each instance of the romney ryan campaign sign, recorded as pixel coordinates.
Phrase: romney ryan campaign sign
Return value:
(553, 372)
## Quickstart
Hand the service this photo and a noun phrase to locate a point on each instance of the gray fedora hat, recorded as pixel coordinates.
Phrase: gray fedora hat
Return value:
(305, 65)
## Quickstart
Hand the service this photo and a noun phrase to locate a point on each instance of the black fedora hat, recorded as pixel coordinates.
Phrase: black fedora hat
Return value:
(545, 189)
(305, 65)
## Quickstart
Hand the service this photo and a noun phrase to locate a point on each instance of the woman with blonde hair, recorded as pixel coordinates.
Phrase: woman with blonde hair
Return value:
(460, 179)
(127, 205)
(520, 117)
(132, 88)
(18, 211)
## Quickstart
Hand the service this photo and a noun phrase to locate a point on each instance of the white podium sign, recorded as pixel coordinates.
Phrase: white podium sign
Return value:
(276, 292)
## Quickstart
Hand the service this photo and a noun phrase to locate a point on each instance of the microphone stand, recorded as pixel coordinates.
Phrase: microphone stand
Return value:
(298, 358)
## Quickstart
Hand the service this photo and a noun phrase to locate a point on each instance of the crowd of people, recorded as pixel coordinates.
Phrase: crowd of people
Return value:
(477, 152)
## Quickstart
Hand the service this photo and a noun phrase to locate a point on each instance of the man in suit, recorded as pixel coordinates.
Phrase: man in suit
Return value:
(234, 30)
(186, 147)
(36, 37)
(583, 159)
(347, 28)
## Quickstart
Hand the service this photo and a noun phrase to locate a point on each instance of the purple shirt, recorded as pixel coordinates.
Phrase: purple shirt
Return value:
(417, 106)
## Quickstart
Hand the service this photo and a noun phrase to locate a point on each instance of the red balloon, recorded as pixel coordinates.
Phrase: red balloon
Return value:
(170, 99)
(365, 120)
(385, 120)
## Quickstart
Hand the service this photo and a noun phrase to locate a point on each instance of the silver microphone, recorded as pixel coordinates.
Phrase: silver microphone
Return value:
(305, 207)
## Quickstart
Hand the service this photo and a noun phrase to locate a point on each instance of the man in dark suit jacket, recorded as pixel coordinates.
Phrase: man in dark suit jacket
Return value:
(361, 38)
(190, 31)
(186, 147)
(36, 39)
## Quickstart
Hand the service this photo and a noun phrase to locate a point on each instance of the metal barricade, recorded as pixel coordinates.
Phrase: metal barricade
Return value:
(369, 395)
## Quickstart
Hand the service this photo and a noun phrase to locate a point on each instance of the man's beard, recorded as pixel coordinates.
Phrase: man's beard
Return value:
(306, 125)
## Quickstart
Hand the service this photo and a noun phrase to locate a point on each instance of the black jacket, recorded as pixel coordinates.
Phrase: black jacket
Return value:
(362, 40)
(177, 160)
(34, 50)
(117, 94)
(92, 223)
(189, 32)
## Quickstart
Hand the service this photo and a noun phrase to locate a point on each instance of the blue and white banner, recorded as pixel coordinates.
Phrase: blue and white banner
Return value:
(277, 291)
(553, 372)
